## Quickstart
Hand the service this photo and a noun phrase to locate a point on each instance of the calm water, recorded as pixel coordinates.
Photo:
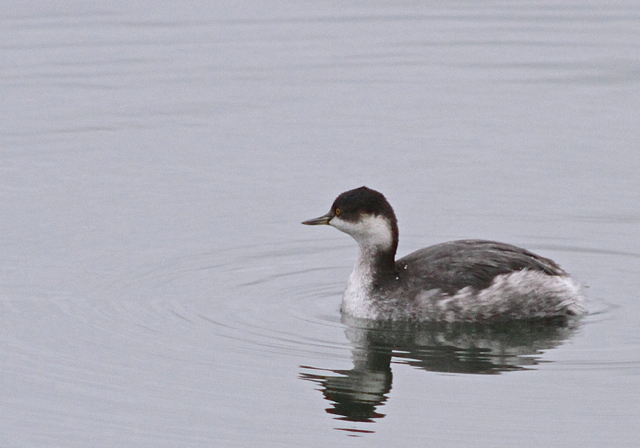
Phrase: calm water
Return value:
(157, 289)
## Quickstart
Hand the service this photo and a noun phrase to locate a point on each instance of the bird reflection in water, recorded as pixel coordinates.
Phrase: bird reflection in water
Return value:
(487, 349)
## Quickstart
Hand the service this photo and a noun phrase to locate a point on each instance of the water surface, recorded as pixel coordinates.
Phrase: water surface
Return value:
(157, 289)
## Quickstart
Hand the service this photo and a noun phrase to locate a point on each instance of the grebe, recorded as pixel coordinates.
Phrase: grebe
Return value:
(458, 281)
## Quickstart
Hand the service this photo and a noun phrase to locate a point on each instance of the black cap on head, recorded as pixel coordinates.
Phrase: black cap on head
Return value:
(353, 203)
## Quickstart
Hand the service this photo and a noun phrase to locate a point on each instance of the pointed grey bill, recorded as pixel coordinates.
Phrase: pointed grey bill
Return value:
(324, 219)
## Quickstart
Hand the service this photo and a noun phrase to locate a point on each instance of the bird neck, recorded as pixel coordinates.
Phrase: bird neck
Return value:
(373, 267)
(374, 263)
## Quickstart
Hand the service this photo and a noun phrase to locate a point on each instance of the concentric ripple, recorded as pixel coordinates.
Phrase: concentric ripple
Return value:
(267, 298)
(274, 298)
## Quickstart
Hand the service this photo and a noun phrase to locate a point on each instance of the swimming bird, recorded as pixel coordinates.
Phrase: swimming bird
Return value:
(458, 281)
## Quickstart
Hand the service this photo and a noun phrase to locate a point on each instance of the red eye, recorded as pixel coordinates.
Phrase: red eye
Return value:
(338, 211)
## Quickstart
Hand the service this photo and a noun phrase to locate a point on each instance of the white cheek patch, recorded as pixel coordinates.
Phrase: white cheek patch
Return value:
(369, 231)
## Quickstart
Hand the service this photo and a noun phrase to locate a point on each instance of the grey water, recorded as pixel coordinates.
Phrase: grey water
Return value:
(157, 158)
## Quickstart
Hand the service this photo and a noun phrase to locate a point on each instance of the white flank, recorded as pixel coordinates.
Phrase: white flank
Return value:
(518, 295)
